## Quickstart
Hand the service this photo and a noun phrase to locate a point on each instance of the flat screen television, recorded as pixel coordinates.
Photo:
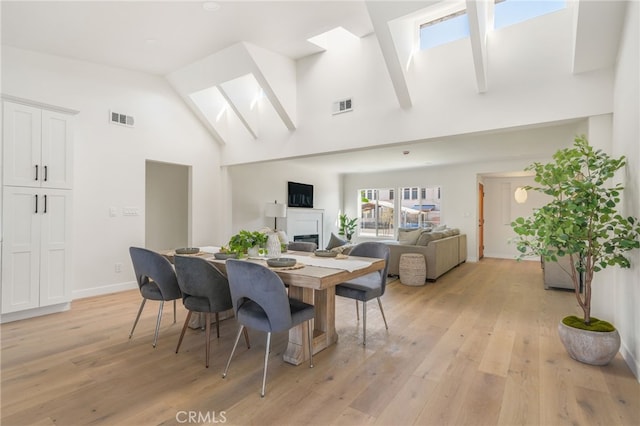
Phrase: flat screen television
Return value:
(300, 195)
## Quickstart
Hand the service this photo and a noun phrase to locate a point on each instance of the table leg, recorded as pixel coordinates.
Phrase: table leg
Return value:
(324, 327)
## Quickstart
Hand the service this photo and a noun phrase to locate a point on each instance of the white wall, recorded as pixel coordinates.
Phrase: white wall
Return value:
(254, 185)
(458, 183)
(530, 82)
(626, 137)
(109, 160)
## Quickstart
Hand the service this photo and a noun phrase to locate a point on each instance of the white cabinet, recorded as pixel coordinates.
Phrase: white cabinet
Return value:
(36, 248)
(36, 209)
(38, 147)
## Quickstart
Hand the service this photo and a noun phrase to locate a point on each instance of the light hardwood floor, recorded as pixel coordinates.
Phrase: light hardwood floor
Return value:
(477, 347)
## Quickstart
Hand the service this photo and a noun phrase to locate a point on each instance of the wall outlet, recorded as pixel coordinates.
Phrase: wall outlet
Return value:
(118, 267)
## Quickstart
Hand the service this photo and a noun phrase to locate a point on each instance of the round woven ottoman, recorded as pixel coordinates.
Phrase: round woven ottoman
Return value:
(413, 270)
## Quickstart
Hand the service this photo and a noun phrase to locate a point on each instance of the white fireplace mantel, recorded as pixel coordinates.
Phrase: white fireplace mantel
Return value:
(304, 221)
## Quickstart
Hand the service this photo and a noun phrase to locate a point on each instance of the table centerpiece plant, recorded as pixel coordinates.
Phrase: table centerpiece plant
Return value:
(244, 241)
(582, 222)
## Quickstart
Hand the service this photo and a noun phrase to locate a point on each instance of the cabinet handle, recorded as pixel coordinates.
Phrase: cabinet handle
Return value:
(45, 176)
(45, 203)
(36, 174)
(36, 203)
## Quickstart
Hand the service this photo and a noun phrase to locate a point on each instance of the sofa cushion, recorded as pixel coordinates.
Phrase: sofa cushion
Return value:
(409, 237)
(427, 237)
(335, 241)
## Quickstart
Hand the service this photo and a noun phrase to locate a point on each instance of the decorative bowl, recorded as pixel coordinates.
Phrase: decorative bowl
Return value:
(281, 262)
(225, 256)
(325, 253)
(187, 250)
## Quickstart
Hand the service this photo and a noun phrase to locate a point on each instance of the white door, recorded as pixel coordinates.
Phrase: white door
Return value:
(55, 243)
(57, 144)
(22, 145)
(20, 249)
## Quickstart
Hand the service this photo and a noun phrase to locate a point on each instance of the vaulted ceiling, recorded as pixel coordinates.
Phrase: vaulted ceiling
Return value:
(259, 42)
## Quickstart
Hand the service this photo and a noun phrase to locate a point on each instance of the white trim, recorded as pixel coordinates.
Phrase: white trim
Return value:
(37, 104)
(634, 364)
(36, 312)
(107, 289)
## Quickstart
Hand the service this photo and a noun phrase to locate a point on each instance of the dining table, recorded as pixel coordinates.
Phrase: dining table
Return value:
(313, 280)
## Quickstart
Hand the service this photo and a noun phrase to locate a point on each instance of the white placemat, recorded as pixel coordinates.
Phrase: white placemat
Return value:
(331, 262)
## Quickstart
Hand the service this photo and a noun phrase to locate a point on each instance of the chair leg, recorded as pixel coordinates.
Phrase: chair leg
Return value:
(357, 311)
(310, 331)
(246, 338)
(174, 311)
(218, 324)
(137, 316)
(207, 336)
(155, 336)
(364, 323)
(382, 312)
(184, 328)
(232, 351)
(266, 360)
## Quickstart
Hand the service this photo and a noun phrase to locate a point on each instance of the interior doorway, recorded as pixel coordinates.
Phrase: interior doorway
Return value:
(167, 205)
(480, 221)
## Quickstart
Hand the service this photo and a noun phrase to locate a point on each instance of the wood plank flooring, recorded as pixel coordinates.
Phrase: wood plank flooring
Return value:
(477, 347)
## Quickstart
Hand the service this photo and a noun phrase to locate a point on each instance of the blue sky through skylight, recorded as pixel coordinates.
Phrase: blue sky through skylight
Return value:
(444, 32)
(511, 12)
(507, 12)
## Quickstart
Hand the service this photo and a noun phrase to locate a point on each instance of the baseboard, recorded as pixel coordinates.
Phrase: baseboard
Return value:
(628, 357)
(107, 289)
(35, 312)
(509, 256)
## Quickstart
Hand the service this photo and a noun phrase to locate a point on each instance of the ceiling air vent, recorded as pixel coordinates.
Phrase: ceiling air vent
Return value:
(344, 105)
(121, 119)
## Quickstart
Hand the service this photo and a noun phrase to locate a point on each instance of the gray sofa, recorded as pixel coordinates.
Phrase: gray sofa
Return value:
(442, 250)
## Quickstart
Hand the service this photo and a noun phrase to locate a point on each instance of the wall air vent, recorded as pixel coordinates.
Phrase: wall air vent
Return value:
(344, 105)
(121, 119)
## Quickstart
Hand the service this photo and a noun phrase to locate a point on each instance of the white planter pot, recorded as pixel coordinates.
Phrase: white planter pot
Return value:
(589, 347)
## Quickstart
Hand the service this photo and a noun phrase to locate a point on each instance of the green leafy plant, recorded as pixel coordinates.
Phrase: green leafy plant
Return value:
(241, 242)
(347, 226)
(581, 221)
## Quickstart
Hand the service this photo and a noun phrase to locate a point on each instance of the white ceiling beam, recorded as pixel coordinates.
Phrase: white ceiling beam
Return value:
(480, 15)
(394, 39)
(238, 109)
(597, 27)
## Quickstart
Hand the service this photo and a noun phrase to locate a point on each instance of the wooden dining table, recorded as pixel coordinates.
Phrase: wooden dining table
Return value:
(314, 285)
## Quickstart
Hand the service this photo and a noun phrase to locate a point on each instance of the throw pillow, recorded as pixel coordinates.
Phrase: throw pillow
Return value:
(409, 238)
(427, 237)
(334, 241)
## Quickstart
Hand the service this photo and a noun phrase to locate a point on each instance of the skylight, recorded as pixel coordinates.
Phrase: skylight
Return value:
(509, 12)
(444, 30)
(455, 26)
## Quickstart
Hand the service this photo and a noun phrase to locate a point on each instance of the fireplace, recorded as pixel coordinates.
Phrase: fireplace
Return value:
(309, 238)
(305, 225)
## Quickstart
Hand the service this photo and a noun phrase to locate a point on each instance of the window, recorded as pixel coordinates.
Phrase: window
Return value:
(509, 12)
(444, 30)
(421, 212)
(378, 210)
(376, 213)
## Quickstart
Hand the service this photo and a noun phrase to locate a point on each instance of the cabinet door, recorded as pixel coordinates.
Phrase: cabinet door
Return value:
(22, 145)
(20, 249)
(55, 252)
(57, 150)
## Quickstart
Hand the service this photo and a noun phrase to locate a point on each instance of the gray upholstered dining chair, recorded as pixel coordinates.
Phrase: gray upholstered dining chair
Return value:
(261, 302)
(156, 280)
(204, 289)
(368, 286)
(302, 246)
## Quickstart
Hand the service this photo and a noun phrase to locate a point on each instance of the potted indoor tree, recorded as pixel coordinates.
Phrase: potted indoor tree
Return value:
(582, 222)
